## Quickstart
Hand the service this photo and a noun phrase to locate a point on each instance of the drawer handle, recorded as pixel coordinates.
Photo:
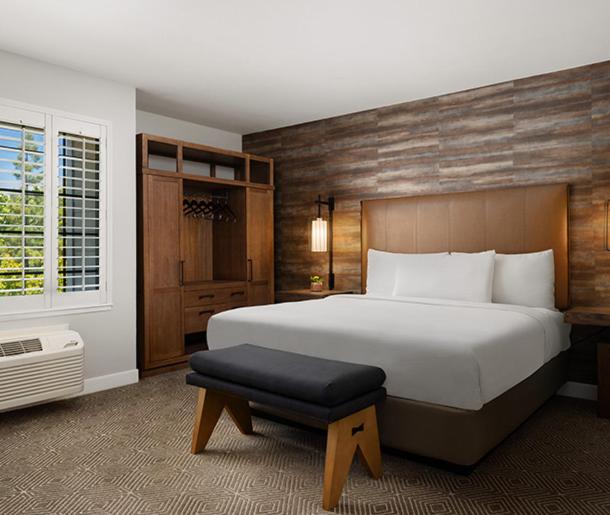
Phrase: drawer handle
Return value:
(206, 296)
(206, 312)
(237, 293)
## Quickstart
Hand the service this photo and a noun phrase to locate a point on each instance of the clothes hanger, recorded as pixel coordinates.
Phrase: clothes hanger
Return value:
(215, 208)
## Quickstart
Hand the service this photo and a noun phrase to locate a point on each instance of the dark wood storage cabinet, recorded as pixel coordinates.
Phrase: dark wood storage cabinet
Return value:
(596, 316)
(205, 243)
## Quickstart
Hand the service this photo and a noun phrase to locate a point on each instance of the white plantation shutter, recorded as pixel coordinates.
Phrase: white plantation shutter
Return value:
(53, 239)
(78, 236)
(22, 210)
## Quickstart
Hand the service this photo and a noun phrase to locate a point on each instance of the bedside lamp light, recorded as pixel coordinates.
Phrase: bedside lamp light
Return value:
(322, 235)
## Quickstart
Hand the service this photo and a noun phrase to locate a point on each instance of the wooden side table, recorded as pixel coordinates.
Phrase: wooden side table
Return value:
(296, 295)
(599, 316)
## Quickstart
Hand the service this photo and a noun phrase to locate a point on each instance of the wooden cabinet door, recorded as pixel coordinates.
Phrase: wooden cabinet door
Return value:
(165, 338)
(163, 211)
(162, 276)
(259, 207)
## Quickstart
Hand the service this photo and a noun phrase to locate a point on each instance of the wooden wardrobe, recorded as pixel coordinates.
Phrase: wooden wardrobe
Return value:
(193, 263)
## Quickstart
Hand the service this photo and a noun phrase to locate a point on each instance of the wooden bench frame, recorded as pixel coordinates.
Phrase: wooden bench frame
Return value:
(355, 433)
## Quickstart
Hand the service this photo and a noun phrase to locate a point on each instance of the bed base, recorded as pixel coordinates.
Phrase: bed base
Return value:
(457, 436)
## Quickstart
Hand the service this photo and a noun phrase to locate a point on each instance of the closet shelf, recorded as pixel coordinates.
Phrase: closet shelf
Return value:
(211, 181)
(200, 163)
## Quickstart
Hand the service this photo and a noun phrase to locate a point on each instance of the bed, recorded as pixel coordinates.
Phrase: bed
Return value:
(461, 375)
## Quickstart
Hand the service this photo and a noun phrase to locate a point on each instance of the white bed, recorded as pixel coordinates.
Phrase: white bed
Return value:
(451, 353)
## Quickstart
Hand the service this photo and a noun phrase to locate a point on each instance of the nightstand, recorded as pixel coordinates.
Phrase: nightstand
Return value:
(599, 316)
(296, 295)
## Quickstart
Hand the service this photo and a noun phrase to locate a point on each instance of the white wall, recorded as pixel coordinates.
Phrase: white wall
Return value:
(179, 129)
(110, 336)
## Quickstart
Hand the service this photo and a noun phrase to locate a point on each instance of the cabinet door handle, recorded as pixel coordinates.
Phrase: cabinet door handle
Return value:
(206, 296)
(181, 273)
(206, 312)
(233, 294)
(249, 270)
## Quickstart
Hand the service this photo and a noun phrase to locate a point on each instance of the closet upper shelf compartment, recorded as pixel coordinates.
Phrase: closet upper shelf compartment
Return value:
(261, 170)
(198, 161)
(162, 156)
(194, 162)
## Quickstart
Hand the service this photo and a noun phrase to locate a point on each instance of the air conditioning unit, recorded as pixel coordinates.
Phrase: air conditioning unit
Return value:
(36, 368)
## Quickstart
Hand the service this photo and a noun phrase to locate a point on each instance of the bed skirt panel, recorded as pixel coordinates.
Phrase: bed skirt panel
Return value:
(458, 436)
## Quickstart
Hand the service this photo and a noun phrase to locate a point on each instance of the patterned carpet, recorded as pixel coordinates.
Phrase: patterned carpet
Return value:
(126, 451)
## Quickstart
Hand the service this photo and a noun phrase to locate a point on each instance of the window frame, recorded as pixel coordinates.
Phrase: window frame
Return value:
(52, 302)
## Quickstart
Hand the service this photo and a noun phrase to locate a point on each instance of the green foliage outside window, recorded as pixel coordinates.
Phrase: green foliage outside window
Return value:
(23, 209)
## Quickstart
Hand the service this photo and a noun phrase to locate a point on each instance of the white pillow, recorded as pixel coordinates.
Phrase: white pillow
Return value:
(456, 276)
(525, 279)
(381, 270)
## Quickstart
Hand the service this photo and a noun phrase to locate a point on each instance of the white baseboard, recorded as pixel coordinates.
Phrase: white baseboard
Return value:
(97, 384)
(579, 390)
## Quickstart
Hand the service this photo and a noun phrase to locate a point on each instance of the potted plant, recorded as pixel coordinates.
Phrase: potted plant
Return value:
(317, 283)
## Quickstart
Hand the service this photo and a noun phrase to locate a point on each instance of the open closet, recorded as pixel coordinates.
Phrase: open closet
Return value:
(205, 243)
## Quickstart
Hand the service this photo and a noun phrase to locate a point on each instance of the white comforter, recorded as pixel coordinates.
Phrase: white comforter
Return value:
(453, 353)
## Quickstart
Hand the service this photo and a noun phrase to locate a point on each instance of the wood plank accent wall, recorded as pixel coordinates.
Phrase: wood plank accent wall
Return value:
(543, 129)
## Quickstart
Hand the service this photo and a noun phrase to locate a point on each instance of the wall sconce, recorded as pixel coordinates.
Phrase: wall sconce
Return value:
(322, 235)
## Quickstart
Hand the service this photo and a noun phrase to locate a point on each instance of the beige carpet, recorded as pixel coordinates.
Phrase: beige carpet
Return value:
(127, 451)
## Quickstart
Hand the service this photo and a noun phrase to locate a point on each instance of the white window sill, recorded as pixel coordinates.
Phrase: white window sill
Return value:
(54, 312)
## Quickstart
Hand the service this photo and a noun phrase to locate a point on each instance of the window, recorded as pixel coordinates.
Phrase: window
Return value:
(22, 151)
(79, 213)
(53, 178)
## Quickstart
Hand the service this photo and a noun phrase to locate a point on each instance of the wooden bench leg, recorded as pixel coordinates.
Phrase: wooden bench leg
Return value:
(356, 432)
(239, 411)
(209, 407)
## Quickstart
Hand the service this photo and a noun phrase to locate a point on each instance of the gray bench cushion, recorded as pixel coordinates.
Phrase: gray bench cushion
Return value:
(312, 380)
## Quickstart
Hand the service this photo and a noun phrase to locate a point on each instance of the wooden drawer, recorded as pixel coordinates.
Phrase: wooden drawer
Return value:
(210, 296)
(196, 318)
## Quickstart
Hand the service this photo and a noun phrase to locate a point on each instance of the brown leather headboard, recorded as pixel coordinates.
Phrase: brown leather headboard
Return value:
(509, 221)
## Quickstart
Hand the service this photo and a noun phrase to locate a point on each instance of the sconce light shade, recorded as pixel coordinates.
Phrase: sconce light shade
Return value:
(319, 235)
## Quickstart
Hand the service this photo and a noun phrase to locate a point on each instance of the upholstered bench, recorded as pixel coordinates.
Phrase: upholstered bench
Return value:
(342, 395)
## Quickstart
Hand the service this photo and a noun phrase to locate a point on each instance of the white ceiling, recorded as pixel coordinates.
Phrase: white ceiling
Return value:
(249, 65)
